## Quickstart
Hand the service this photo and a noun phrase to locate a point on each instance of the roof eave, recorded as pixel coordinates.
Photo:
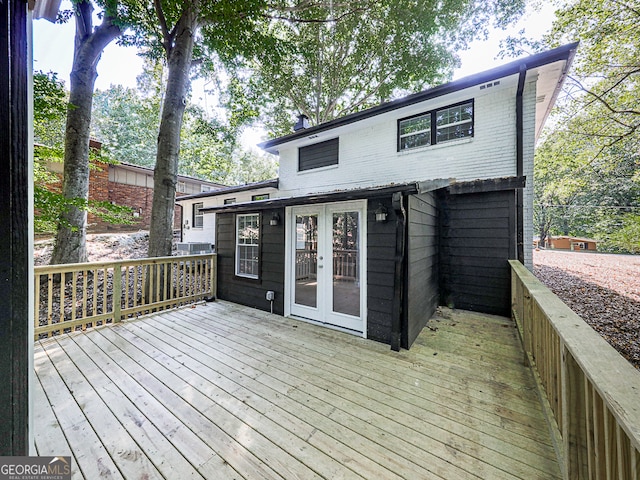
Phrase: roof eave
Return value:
(564, 52)
(233, 189)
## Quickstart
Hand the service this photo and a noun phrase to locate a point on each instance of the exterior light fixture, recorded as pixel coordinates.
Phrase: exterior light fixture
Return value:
(381, 214)
(275, 219)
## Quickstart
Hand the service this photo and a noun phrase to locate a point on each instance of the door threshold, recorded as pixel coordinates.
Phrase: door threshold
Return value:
(328, 325)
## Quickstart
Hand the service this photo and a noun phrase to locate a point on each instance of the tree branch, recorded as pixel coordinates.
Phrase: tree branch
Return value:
(167, 37)
(628, 7)
(312, 20)
(602, 100)
(105, 33)
(84, 22)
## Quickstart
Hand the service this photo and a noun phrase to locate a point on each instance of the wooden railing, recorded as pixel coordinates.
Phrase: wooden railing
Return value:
(591, 393)
(84, 295)
(306, 264)
(345, 263)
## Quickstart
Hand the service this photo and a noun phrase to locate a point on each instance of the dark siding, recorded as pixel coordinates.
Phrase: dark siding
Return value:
(422, 275)
(246, 291)
(381, 250)
(477, 237)
(14, 215)
(318, 155)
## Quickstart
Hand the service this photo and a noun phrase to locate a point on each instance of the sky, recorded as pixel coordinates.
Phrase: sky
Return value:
(53, 51)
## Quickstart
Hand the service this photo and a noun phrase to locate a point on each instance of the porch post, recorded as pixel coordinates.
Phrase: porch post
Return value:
(14, 215)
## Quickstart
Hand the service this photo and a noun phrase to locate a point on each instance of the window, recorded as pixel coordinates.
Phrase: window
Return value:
(454, 122)
(197, 215)
(229, 201)
(205, 188)
(247, 235)
(181, 187)
(263, 196)
(415, 132)
(451, 123)
(318, 155)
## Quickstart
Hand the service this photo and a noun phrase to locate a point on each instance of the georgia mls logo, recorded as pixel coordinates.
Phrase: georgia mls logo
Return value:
(35, 468)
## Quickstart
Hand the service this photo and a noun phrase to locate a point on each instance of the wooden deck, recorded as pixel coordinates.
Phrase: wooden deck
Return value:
(223, 391)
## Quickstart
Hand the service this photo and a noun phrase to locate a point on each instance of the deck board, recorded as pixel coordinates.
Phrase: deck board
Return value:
(225, 391)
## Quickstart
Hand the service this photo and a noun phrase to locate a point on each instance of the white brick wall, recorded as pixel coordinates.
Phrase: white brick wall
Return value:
(368, 155)
(207, 233)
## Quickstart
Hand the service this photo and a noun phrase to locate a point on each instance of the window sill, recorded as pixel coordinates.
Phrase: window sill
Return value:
(319, 169)
(247, 277)
(437, 146)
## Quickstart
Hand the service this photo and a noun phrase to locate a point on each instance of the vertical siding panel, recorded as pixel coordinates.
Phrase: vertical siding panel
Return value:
(422, 295)
(477, 239)
(381, 250)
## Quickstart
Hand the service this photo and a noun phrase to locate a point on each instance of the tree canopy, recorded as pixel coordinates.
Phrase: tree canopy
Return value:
(587, 170)
(341, 63)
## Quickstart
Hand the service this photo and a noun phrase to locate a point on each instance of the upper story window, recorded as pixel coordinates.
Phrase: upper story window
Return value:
(415, 132)
(318, 155)
(205, 188)
(181, 187)
(197, 215)
(436, 126)
(229, 201)
(247, 247)
(262, 196)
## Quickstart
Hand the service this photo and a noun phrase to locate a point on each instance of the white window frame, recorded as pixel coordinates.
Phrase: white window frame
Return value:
(247, 243)
(198, 216)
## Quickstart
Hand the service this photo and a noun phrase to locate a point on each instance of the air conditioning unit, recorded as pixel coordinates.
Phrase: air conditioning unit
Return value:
(193, 248)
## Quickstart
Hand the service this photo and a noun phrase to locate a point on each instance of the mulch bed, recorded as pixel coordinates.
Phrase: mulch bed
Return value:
(603, 289)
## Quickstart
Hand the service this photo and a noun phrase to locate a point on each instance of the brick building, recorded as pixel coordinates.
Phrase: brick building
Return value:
(131, 186)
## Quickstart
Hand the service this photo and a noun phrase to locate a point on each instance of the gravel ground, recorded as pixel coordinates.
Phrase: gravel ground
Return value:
(603, 289)
(101, 247)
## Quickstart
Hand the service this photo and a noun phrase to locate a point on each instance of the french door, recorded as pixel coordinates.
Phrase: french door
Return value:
(326, 245)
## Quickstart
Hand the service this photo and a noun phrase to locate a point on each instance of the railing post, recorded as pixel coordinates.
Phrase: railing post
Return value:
(574, 427)
(117, 292)
(214, 275)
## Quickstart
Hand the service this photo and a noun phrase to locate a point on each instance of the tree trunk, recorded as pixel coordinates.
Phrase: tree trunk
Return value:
(70, 242)
(179, 57)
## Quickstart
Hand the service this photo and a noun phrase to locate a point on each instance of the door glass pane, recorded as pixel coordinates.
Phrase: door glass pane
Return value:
(306, 292)
(346, 268)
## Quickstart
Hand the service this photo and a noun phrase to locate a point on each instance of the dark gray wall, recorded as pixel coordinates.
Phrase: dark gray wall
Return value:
(477, 237)
(14, 248)
(247, 291)
(381, 242)
(422, 265)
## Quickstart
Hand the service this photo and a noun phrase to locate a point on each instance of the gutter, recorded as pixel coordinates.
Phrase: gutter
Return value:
(398, 277)
(565, 52)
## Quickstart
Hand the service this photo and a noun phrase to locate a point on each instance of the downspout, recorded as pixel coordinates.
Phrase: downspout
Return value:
(398, 278)
(520, 164)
